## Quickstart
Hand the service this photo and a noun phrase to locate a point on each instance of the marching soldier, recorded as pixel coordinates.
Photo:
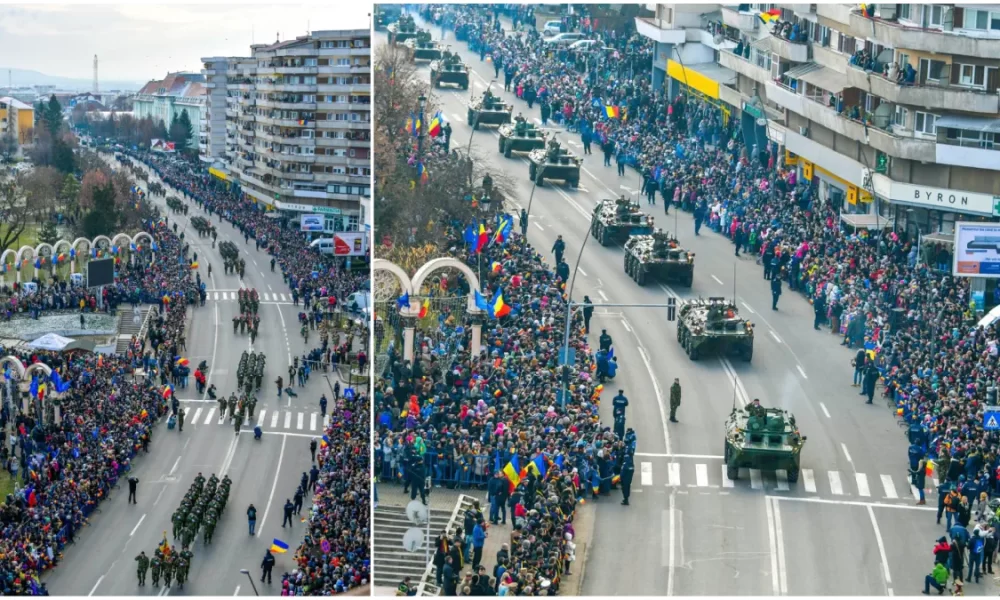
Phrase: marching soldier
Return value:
(155, 566)
(178, 522)
(209, 528)
(232, 406)
(143, 566)
(236, 324)
(168, 570)
(253, 404)
(181, 571)
(675, 399)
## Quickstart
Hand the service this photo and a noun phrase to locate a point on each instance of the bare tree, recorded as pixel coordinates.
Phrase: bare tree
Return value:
(40, 189)
(14, 213)
(92, 181)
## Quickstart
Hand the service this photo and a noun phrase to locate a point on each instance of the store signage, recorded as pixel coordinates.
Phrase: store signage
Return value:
(944, 199)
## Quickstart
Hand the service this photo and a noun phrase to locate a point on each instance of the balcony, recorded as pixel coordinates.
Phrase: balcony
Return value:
(931, 41)
(744, 21)
(659, 31)
(797, 52)
(926, 96)
(743, 67)
(286, 122)
(310, 106)
(838, 13)
(967, 156)
(910, 148)
(829, 59)
(294, 70)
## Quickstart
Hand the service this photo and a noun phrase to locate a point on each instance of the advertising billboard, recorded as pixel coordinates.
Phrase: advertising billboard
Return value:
(977, 250)
(350, 243)
(311, 223)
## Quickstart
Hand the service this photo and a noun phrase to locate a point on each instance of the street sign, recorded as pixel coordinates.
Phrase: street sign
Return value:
(991, 418)
(349, 393)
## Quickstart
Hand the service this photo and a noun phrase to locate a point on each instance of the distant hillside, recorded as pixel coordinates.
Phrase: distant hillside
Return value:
(26, 77)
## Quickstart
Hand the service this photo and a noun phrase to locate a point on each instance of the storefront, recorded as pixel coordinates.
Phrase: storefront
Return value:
(922, 210)
(840, 179)
(335, 219)
(701, 81)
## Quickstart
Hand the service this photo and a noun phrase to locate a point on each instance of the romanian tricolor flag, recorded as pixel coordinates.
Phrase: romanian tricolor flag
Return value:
(538, 466)
(435, 129)
(482, 239)
(496, 267)
(424, 308)
(613, 112)
(767, 17)
(499, 308)
(168, 391)
(505, 225)
(513, 473)
(865, 11)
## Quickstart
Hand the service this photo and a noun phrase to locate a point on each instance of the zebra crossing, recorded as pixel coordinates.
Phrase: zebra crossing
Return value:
(825, 483)
(268, 419)
(266, 298)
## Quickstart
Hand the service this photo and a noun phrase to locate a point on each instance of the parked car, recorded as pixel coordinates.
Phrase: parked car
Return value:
(564, 39)
(552, 28)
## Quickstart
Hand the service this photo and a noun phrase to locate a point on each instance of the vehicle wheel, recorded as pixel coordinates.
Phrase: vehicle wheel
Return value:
(532, 171)
(725, 453)
(680, 334)
(603, 239)
(626, 265)
(469, 118)
(640, 277)
(500, 145)
(693, 354)
(573, 183)
(733, 472)
(506, 149)
(465, 85)
(475, 125)
(748, 354)
(793, 475)
(687, 281)
(540, 180)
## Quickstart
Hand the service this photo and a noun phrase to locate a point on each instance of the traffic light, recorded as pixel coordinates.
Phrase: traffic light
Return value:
(671, 308)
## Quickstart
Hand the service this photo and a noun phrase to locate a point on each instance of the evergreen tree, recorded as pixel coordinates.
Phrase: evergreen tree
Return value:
(63, 157)
(48, 232)
(176, 133)
(70, 192)
(53, 116)
(103, 217)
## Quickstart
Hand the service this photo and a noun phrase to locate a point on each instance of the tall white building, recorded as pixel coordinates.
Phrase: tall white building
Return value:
(163, 99)
(298, 124)
(893, 110)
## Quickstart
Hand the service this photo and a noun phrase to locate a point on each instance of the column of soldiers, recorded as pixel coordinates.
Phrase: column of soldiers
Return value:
(239, 409)
(248, 319)
(200, 510)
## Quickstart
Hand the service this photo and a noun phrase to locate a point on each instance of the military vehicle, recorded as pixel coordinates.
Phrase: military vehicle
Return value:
(385, 14)
(403, 29)
(713, 325)
(423, 48)
(658, 256)
(451, 70)
(521, 137)
(763, 438)
(615, 220)
(553, 162)
(489, 110)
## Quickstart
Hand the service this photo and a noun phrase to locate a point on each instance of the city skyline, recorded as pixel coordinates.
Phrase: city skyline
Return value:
(58, 39)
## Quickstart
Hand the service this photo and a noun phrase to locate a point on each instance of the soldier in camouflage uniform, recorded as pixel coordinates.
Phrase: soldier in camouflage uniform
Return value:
(181, 570)
(155, 565)
(142, 567)
(168, 570)
(253, 404)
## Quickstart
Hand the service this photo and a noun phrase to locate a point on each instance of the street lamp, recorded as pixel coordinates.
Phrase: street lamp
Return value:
(473, 124)
(247, 573)
(422, 101)
(534, 184)
(569, 311)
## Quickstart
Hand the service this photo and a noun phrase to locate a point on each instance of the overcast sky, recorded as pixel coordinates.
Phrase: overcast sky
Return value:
(139, 40)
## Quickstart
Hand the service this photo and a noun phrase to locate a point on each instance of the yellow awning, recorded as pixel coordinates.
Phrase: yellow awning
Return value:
(693, 79)
(218, 173)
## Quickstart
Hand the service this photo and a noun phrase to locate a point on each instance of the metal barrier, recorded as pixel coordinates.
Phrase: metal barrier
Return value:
(463, 472)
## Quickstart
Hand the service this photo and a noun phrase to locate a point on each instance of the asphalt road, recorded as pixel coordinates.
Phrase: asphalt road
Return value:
(848, 526)
(264, 472)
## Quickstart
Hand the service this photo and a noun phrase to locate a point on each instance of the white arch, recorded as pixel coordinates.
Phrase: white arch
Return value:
(60, 244)
(121, 236)
(140, 235)
(18, 366)
(38, 366)
(76, 243)
(404, 280)
(97, 241)
(443, 263)
(8, 251)
(21, 252)
(39, 247)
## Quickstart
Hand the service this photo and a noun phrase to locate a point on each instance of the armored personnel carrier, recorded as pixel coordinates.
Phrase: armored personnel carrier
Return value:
(615, 220)
(423, 48)
(763, 438)
(489, 110)
(554, 162)
(521, 137)
(450, 70)
(713, 325)
(657, 256)
(402, 30)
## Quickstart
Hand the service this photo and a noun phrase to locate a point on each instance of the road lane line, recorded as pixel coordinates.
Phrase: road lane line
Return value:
(160, 495)
(237, 592)
(260, 416)
(889, 487)
(208, 417)
(197, 413)
(781, 480)
(299, 421)
(780, 537)
(719, 281)
(94, 589)
(274, 419)
(747, 306)
(862, 481)
(288, 419)
(825, 411)
(674, 474)
(659, 398)
(602, 295)
(274, 485)
(312, 422)
(540, 228)
(174, 468)
(843, 447)
(881, 547)
(701, 474)
(141, 519)
(670, 553)
(835, 485)
(809, 481)
(726, 481)
(582, 272)
(626, 325)
(756, 481)
(698, 456)
(326, 421)
(646, 473)
(775, 336)
(773, 546)
(915, 491)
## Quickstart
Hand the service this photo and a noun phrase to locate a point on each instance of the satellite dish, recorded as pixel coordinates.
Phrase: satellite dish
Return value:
(762, 122)
(417, 513)
(413, 539)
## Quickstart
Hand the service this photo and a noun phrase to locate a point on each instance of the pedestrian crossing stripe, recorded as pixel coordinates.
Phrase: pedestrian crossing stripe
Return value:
(206, 416)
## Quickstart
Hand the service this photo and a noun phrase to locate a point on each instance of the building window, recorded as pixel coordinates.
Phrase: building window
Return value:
(925, 123)
(931, 70)
(975, 75)
(936, 14)
(904, 12)
(899, 117)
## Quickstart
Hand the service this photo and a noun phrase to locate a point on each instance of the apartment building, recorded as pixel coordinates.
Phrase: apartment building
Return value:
(164, 99)
(298, 124)
(17, 119)
(892, 108)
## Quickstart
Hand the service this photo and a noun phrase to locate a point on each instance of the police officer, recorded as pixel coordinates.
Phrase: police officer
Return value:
(524, 223)
(289, 509)
(775, 290)
(588, 313)
(133, 482)
(299, 496)
(266, 565)
(620, 402)
(312, 449)
(143, 566)
(675, 399)
(558, 249)
(628, 470)
(605, 340)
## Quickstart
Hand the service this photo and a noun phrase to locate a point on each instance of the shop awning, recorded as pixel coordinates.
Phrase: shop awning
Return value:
(865, 221)
(819, 76)
(938, 238)
(716, 72)
(969, 123)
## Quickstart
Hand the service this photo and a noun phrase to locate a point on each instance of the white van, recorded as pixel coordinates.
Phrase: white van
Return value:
(324, 245)
(358, 302)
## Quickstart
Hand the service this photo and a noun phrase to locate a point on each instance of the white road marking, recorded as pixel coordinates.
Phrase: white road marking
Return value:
(726, 481)
(881, 547)
(299, 422)
(889, 487)
(141, 519)
(326, 421)
(747, 306)
(671, 540)
(260, 416)
(701, 474)
(719, 281)
(274, 419)
(773, 546)
(802, 371)
(779, 536)
(160, 495)
(197, 413)
(274, 485)
(862, 481)
(312, 421)
(540, 228)
(916, 492)
(284, 298)
(781, 480)
(835, 485)
(602, 295)
(669, 455)
(626, 325)
(94, 589)
(874, 504)
(265, 296)
(809, 481)
(646, 473)
(825, 411)
(674, 474)
(237, 592)
(847, 454)
(208, 417)
(288, 420)
(775, 336)
(174, 468)
(756, 481)
(582, 272)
